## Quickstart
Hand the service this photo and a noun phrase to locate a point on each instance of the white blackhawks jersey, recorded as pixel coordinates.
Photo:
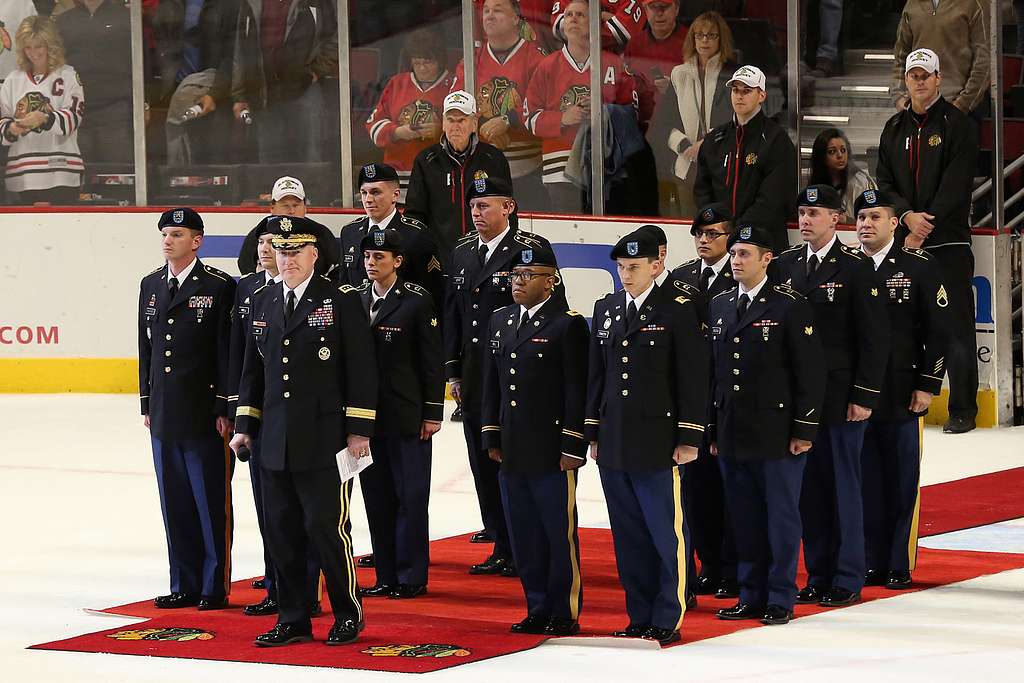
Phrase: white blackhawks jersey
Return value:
(50, 157)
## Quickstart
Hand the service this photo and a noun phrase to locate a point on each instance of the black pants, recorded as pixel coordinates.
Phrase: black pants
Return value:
(485, 480)
(317, 501)
(956, 263)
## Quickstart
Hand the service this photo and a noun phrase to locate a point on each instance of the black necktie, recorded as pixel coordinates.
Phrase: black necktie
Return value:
(482, 254)
(172, 287)
(375, 308)
(812, 265)
(630, 314)
(523, 322)
(743, 304)
(705, 277)
(289, 305)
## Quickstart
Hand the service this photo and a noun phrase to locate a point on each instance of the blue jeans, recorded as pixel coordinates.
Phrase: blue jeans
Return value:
(830, 20)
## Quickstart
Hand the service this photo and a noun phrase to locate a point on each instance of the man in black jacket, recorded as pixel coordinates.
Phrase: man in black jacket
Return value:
(309, 389)
(443, 173)
(918, 309)
(749, 164)
(839, 282)
(926, 162)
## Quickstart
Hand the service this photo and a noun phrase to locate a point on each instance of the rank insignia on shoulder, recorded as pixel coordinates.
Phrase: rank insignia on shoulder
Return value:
(809, 330)
(681, 299)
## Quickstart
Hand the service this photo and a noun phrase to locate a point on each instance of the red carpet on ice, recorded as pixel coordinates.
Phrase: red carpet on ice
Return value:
(466, 618)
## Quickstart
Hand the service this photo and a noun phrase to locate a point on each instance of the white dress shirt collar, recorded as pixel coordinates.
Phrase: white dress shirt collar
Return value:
(755, 290)
(299, 290)
(493, 244)
(183, 275)
(383, 222)
(880, 255)
(642, 298)
(823, 252)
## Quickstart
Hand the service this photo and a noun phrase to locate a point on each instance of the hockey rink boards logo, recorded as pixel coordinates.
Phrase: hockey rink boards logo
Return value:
(172, 634)
(428, 650)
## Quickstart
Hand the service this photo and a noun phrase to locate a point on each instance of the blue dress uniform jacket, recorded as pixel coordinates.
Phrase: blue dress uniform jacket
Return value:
(308, 384)
(535, 387)
(652, 377)
(849, 314)
(184, 352)
(248, 285)
(409, 366)
(421, 264)
(690, 271)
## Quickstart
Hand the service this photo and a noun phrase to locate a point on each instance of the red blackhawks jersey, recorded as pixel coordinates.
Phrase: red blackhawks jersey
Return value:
(652, 58)
(500, 91)
(406, 102)
(535, 26)
(48, 156)
(627, 21)
(560, 83)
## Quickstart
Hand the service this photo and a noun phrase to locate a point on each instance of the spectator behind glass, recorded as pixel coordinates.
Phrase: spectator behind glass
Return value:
(831, 165)
(504, 67)
(658, 48)
(282, 52)
(41, 107)
(697, 100)
(12, 13)
(830, 20)
(97, 40)
(407, 117)
(957, 30)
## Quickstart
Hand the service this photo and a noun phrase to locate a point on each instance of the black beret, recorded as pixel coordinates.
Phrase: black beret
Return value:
(540, 255)
(748, 233)
(382, 240)
(710, 215)
(180, 218)
(637, 244)
(247, 256)
(657, 233)
(489, 187)
(870, 199)
(377, 173)
(823, 196)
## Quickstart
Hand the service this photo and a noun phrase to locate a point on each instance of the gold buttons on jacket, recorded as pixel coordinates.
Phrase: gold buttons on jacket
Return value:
(167, 353)
(735, 371)
(287, 342)
(512, 403)
(167, 369)
(168, 337)
(285, 378)
(285, 359)
(625, 392)
(625, 375)
(512, 355)
(735, 340)
(735, 387)
(287, 394)
(625, 342)
(170, 321)
(736, 356)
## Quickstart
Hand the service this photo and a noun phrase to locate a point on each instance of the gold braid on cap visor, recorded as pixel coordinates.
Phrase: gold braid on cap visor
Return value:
(293, 241)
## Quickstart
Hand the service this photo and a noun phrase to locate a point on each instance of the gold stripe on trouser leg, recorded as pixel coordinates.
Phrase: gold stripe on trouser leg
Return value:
(229, 521)
(577, 581)
(321, 582)
(912, 541)
(677, 526)
(346, 543)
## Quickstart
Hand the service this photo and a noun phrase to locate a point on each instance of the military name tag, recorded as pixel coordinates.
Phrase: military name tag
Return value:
(603, 334)
(200, 302)
(350, 258)
(716, 331)
(458, 280)
(243, 310)
(150, 311)
(495, 344)
(321, 317)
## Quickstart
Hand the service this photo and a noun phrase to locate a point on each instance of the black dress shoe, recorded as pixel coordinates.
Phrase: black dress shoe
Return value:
(261, 609)
(809, 595)
(315, 610)
(365, 561)
(632, 631)
(728, 589)
(664, 636)
(560, 626)
(207, 604)
(776, 615)
(958, 425)
(457, 414)
(898, 581)
(283, 634)
(176, 601)
(532, 624)
(691, 600)
(874, 577)
(839, 597)
(509, 570)
(344, 632)
(406, 591)
(378, 590)
(260, 584)
(706, 585)
(481, 537)
(740, 611)
(492, 565)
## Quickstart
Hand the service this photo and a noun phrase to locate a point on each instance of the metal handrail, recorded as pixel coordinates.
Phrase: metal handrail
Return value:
(987, 185)
(1009, 202)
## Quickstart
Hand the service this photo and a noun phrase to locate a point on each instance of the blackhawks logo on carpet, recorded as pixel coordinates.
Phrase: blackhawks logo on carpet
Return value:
(175, 633)
(428, 650)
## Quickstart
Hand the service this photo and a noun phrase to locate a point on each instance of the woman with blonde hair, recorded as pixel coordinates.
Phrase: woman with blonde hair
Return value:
(41, 108)
(697, 100)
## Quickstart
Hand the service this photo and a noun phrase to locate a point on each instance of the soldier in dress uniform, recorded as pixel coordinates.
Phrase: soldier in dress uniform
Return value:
(478, 284)
(410, 408)
(909, 282)
(769, 380)
(257, 274)
(839, 283)
(308, 388)
(535, 388)
(646, 409)
(184, 340)
(712, 537)
(421, 265)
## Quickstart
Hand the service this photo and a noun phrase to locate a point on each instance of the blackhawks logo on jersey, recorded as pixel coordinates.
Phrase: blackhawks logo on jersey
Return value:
(497, 97)
(417, 113)
(577, 95)
(30, 102)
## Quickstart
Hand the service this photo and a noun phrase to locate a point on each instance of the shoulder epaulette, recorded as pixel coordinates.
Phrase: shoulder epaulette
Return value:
(467, 238)
(685, 288)
(850, 251)
(261, 288)
(415, 288)
(527, 238)
(728, 291)
(413, 222)
(797, 247)
(216, 273)
(787, 290)
(154, 272)
(356, 221)
(919, 253)
(572, 312)
(688, 263)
